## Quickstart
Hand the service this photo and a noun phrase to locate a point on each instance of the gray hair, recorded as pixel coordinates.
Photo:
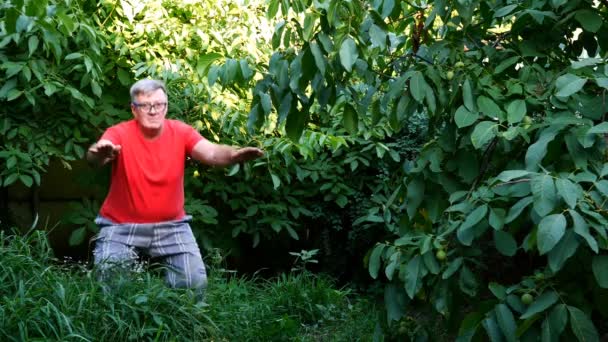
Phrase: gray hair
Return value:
(146, 86)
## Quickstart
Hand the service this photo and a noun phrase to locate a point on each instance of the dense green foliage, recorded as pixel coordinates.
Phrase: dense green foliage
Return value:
(44, 300)
(514, 166)
(462, 138)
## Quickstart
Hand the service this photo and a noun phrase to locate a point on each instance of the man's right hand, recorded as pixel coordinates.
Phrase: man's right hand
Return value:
(102, 152)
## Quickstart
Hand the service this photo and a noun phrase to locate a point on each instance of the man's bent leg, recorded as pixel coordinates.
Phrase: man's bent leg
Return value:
(112, 257)
(176, 245)
(186, 270)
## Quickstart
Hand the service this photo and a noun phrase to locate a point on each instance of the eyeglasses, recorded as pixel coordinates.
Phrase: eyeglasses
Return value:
(148, 107)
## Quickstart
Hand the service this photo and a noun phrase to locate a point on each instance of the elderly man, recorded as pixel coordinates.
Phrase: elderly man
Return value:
(144, 208)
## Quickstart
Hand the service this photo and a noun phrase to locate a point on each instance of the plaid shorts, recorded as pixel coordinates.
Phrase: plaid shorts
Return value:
(171, 241)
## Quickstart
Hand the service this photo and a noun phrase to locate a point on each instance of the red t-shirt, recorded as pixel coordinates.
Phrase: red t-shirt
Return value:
(148, 174)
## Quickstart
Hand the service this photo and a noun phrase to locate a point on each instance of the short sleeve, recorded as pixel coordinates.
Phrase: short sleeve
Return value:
(112, 134)
(192, 137)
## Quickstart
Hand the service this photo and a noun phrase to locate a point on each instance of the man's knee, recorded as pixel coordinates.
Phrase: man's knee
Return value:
(187, 270)
(194, 279)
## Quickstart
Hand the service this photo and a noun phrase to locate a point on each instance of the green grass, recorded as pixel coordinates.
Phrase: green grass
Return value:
(43, 300)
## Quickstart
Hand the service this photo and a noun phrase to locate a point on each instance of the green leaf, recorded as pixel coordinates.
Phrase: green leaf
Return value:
(503, 11)
(377, 37)
(483, 133)
(452, 268)
(318, 57)
(73, 55)
(387, 7)
(602, 82)
(537, 151)
(230, 71)
(348, 54)
(395, 302)
(266, 102)
(474, 217)
(492, 328)
(10, 19)
(205, 61)
(32, 45)
(13, 94)
(599, 129)
(582, 229)
(273, 8)
(497, 218)
(489, 107)
(415, 194)
(590, 20)
(505, 64)
(351, 119)
(464, 118)
(585, 62)
(11, 179)
(374, 260)
(516, 111)
(509, 175)
(413, 276)
(310, 20)
(599, 265)
(26, 180)
(466, 232)
(8, 86)
(430, 262)
(566, 248)
(286, 106)
(245, 69)
(292, 233)
(554, 324)
(544, 194)
(467, 282)
(11, 162)
(517, 208)
(498, 290)
(467, 96)
(77, 236)
(568, 84)
(505, 243)
(276, 181)
(234, 170)
(506, 322)
(582, 326)
(543, 302)
(568, 191)
(551, 229)
(418, 86)
(602, 187)
(96, 88)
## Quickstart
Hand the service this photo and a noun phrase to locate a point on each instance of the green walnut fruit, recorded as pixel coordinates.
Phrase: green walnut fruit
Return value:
(527, 121)
(449, 75)
(459, 64)
(441, 255)
(527, 298)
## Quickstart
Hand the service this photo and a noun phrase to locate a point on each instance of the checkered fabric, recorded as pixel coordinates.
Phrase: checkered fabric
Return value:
(171, 241)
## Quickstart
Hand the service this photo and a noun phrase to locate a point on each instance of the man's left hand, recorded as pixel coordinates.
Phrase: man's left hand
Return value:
(246, 154)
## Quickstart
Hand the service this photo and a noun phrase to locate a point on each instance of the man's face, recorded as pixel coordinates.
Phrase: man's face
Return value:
(150, 109)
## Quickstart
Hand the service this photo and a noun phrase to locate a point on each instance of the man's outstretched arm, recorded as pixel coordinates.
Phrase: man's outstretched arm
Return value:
(212, 154)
